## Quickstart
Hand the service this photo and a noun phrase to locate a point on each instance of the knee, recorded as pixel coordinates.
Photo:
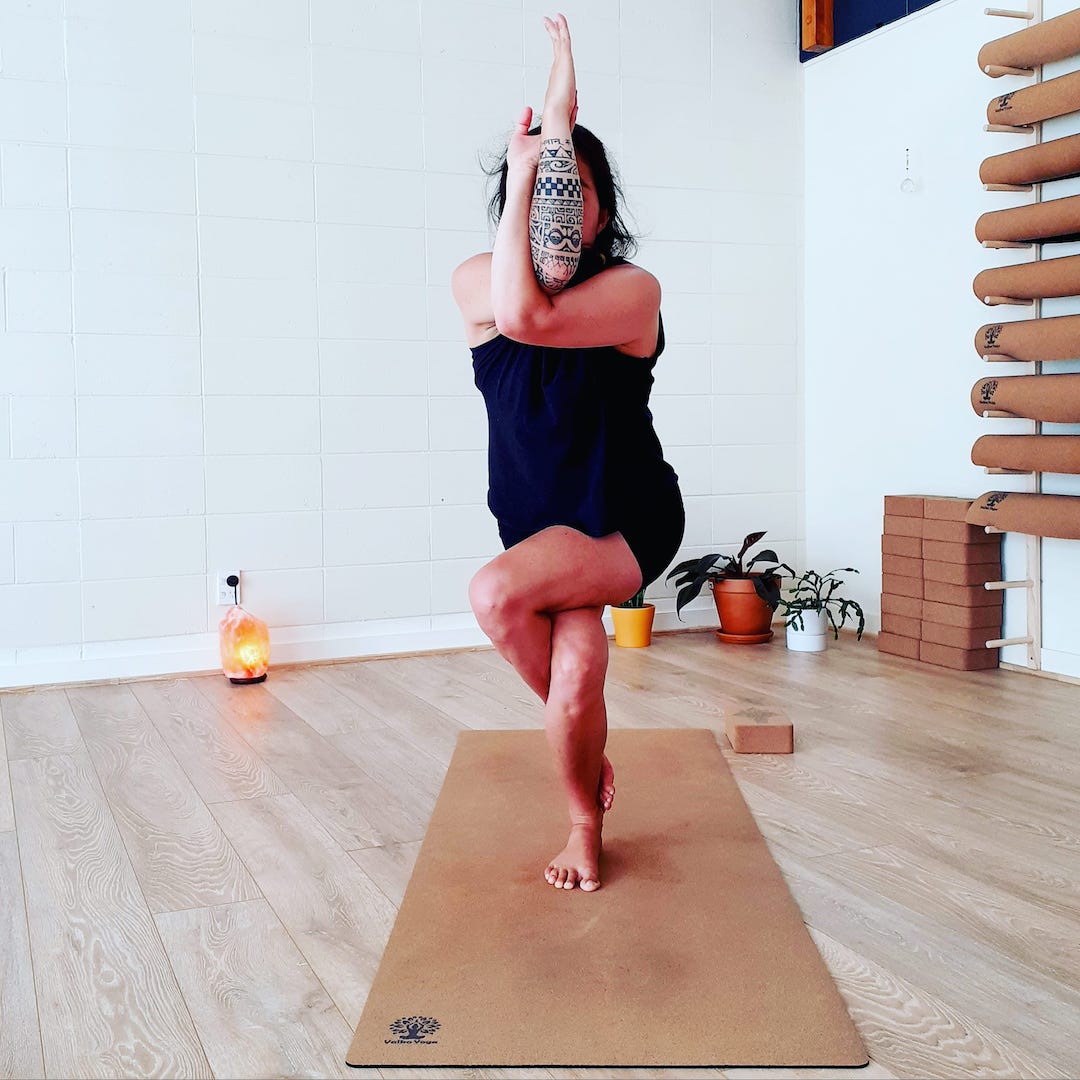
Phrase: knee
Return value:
(494, 601)
(577, 676)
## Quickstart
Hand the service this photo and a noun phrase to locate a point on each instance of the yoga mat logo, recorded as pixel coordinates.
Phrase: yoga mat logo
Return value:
(992, 335)
(413, 1031)
(987, 391)
(1003, 102)
(994, 500)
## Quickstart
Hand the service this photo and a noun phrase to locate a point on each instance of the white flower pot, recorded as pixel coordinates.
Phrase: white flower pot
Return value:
(813, 636)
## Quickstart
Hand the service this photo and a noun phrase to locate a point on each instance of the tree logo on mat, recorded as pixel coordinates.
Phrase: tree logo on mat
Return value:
(1003, 102)
(413, 1031)
(992, 335)
(987, 390)
(994, 500)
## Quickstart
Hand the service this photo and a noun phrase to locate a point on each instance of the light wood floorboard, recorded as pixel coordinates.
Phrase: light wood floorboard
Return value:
(236, 962)
(39, 724)
(928, 825)
(20, 1038)
(7, 811)
(107, 999)
(179, 853)
(343, 800)
(340, 919)
(218, 762)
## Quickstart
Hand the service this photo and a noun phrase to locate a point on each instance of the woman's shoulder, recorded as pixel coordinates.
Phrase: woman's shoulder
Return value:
(473, 270)
(630, 269)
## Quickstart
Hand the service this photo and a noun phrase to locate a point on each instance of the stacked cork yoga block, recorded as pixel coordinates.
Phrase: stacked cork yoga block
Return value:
(934, 566)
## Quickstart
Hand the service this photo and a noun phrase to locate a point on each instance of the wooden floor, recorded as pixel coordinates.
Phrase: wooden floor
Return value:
(198, 879)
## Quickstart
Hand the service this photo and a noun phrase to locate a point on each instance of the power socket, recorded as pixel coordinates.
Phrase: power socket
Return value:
(226, 593)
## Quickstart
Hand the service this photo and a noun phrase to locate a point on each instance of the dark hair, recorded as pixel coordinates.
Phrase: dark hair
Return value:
(615, 239)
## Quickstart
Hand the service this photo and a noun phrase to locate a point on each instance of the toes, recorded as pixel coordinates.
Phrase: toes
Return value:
(560, 881)
(590, 884)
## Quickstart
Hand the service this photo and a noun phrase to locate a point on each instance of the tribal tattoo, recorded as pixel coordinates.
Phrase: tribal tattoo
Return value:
(556, 215)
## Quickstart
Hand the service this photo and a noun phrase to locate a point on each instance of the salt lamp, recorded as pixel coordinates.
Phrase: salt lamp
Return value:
(245, 646)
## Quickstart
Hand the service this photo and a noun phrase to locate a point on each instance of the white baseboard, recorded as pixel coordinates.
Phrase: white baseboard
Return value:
(197, 654)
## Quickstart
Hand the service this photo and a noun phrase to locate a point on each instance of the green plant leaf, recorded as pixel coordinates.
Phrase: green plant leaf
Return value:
(748, 543)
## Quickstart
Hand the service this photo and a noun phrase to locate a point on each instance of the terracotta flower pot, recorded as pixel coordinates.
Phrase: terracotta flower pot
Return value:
(633, 626)
(742, 612)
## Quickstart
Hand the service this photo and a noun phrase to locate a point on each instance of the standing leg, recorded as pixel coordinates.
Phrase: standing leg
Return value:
(575, 719)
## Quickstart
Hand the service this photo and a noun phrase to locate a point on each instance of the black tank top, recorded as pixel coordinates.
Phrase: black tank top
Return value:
(570, 435)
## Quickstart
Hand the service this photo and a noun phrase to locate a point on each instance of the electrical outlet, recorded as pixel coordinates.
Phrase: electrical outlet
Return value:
(226, 594)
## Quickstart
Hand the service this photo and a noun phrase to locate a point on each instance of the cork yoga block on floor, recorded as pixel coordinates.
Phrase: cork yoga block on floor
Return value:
(942, 592)
(959, 659)
(909, 547)
(1030, 340)
(902, 586)
(904, 567)
(1052, 398)
(1056, 221)
(1029, 453)
(960, 573)
(902, 526)
(958, 637)
(944, 583)
(1033, 104)
(902, 625)
(908, 607)
(957, 532)
(904, 506)
(1030, 281)
(1058, 159)
(945, 508)
(945, 551)
(898, 645)
(983, 618)
(1051, 40)
(755, 730)
(1026, 512)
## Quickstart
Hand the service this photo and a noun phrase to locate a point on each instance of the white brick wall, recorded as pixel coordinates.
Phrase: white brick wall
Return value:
(226, 233)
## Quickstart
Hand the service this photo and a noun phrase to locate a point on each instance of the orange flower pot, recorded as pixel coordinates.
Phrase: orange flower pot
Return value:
(742, 612)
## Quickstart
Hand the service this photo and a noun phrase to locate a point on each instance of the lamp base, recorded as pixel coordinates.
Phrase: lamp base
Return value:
(244, 682)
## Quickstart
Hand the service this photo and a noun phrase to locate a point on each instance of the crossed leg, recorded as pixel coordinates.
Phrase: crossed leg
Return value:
(541, 603)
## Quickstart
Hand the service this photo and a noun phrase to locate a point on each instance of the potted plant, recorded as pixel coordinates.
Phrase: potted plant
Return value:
(633, 621)
(745, 599)
(808, 610)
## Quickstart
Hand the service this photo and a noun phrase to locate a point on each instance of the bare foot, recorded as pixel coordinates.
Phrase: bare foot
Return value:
(606, 791)
(579, 862)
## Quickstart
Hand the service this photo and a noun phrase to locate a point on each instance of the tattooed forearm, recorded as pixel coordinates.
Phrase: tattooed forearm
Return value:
(555, 217)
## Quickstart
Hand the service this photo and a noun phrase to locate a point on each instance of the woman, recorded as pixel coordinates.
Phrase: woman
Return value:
(564, 334)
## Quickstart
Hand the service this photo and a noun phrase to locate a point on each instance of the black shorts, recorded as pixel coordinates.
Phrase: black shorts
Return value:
(655, 532)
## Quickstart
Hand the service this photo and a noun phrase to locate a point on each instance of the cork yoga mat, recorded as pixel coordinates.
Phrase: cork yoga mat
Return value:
(1033, 104)
(1056, 160)
(1057, 221)
(692, 952)
(1029, 281)
(1030, 339)
(1028, 512)
(1053, 39)
(1053, 398)
(1028, 453)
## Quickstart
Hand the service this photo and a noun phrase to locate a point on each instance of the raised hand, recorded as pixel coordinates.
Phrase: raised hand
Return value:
(561, 97)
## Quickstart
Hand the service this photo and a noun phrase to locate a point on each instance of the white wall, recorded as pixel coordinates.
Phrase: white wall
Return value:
(228, 341)
(890, 313)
